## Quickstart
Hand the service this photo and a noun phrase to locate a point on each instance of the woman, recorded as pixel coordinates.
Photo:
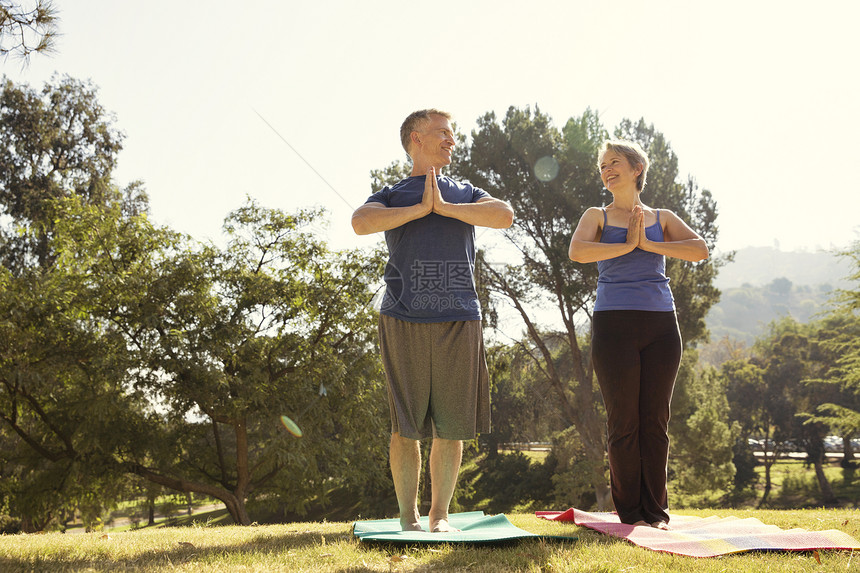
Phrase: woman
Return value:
(636, 344)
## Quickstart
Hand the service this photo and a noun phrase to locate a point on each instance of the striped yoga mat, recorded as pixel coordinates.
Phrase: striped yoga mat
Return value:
(709, 536)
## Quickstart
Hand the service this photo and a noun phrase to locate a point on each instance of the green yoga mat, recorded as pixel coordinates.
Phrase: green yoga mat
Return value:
(474, 526)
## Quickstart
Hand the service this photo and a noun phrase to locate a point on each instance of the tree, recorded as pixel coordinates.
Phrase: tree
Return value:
(59, 142)
(64, 393)
(193, 353)
(848, 302)
(759, 391)
(112, 323)
(758, 411)
(692, 283)
(550, 178)
(27, 30)
(837, 404)
(783, 393)
(230, 340)
(833, 389)
(502, 159)
(795, 358)
(701, 463)
(840, 340)
(56, 362)
(521, 400)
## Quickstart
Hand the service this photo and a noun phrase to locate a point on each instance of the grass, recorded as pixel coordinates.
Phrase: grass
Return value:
(204, 542)
(329, 546)
(536, 456)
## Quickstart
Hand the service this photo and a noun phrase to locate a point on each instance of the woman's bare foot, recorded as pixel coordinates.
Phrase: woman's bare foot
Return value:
(661, 525)
(640, 523)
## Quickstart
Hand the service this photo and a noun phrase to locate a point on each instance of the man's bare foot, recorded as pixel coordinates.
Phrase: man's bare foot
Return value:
(661, 525)
(442, 526)
(409, 525)
(640, 523)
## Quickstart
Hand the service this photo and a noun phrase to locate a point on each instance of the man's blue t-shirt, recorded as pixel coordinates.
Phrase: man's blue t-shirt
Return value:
(430, 274)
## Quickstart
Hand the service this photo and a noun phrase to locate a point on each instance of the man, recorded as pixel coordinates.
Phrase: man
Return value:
(430, 321)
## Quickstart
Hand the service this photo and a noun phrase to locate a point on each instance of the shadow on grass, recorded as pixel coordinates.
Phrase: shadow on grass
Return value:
(262, 544)
(119, 525)
(517, 554)
(205, 518)
(525, 553)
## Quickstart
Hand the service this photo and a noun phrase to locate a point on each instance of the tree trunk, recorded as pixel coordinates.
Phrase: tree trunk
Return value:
(27, 525)
(592, 428)
(492, 446)
(243, 472)
(236, 508)
(827, 495)
(602, 491)
(581, 412)
(768, 462)
(234, 501)
(847, 449)
(596, 452)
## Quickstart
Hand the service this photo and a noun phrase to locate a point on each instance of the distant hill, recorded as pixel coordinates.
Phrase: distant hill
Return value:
(744, 312)
(758, 266)
(764, 284)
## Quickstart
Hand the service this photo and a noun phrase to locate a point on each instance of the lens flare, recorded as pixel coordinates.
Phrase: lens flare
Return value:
(546, 169)
(291, 426)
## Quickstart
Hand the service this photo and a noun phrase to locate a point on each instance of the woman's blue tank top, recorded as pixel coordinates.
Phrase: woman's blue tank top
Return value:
(637, 280)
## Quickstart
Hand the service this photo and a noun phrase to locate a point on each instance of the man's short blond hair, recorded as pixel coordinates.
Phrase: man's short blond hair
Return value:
(414, 121)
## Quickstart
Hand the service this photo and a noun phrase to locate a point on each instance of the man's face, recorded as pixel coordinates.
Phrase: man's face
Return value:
(435, 142)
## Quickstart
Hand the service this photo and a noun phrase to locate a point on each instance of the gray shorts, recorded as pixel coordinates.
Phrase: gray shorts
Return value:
(438, 383)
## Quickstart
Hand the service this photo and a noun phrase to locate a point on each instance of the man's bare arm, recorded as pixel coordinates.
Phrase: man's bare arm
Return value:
(486, 212)
(376, 217)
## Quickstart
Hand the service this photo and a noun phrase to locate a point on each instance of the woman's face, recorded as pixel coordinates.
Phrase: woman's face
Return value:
(616, 171)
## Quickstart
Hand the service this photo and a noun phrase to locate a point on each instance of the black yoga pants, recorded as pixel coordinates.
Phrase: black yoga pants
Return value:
(636, 355)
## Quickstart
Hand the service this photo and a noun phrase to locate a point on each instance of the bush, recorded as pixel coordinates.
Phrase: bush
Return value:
(745, 475)
(571, 472)
(9, 525)
(506, 482)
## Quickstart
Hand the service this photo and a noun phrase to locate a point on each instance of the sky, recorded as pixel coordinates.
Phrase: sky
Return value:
(293, 103)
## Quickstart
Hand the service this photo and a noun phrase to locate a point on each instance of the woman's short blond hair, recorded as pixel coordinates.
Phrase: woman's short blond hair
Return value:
(413, 121)
(631, 151)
